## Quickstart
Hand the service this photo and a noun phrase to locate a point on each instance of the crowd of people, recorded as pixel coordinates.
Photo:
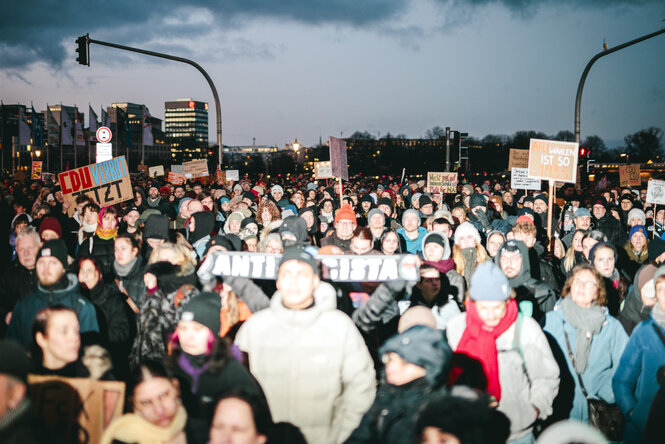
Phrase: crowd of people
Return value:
(508, 335)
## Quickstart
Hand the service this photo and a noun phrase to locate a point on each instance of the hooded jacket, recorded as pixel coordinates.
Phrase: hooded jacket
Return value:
(312, 364)
(446, 266)
(204, 223)
(539, 295)
(20, 327)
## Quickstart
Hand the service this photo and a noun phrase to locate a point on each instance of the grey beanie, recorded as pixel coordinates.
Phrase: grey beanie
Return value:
(410, 210)
(488, 283)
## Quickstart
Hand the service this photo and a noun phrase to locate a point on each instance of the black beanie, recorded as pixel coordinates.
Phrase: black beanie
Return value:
(54, 248)
(220, 240)
(15, 361)
(156, 227)
(298, 254)
(477, 200)
(385, 201)
(424, 200)
(204, 308)
(435, 238)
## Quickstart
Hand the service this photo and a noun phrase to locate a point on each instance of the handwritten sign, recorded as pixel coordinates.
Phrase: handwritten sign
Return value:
(47, 177)
(196, 168)
(76, 410)
(107, 183)
(323, 170)
(656, 192)
(156, 171)
(518, 159)
(232, 175)
(373, 268)
(629, 175)
(178, 169)
(520, 180)
(36, 170)
(439, 183)
(176, 178)
(553, 160)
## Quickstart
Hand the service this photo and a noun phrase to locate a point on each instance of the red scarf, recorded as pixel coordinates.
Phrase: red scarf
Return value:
(479, 342)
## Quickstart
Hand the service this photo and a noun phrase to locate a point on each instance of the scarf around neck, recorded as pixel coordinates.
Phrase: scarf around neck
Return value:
(587, 322)
(658, 315)
(479, 341)
(123, 270)
(133, 428)
(153, 203)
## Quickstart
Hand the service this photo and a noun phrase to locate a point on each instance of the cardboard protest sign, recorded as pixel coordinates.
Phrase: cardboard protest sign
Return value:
(178, 169)
(232, 175)
(176, 178)
(36, 170)
(220, 175)
(518, 159)
(76, 410)
(196, 168)
(656, 192)
(629, 175)
(156, 171)
(553, 160)
(338, 161)
(520, 180)
(439, 183)
(344, 268)
(323, 170)
(47, 176)
(107, 183)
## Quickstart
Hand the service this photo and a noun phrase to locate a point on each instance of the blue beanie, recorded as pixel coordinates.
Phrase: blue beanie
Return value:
(422, 346)
(638, 229)
(488, 283)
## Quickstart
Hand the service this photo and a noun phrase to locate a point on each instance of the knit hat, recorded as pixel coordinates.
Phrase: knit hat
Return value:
(54, 248)
(345, 213)
(15, 361)
(311, 186)
(488, 283)
(435, 238)
(541, 197)
(410, 210)
(130, 209)
(154, 185)
(582, 212)
(237, 187)
(277, 188)
(50, 223)
(366, 198)
(416, 197)
(224, 199)
(204, 308)
(468, 186)
(525, 218)
(374, 211)
(384, 201)
(424, 200)
(638, 229)
(298, 254)
(638, 213)
(147, 213)
(464, 229)
(236, 215)
(248, 195)
(221, 241)
(422, 346)
(598, 245)
(571, 430)
(156, 227)
(477, 200)
(600, 200)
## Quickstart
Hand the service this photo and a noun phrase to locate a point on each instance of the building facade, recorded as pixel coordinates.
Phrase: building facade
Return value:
(186, 130)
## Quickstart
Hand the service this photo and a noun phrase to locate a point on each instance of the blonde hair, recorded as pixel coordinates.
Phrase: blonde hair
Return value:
(458, 258)
(181, 253)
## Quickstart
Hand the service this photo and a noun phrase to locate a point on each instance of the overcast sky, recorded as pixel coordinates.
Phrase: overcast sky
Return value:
(314, 68)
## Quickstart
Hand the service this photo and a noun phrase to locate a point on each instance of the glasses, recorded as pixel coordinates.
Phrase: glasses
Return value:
(587, 285)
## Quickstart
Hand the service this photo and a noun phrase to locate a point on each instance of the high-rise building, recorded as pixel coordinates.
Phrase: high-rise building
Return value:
(186, 129)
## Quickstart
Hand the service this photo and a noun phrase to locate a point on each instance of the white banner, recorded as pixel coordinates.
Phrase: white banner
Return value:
(656, 192)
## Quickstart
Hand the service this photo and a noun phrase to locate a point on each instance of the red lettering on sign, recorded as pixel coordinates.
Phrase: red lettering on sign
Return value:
(86, 180)
(63, 183)
(76, 182)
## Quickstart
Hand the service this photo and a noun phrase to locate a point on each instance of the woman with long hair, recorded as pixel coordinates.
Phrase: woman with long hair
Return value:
(591, 340)
(575, 254)
(468, 251)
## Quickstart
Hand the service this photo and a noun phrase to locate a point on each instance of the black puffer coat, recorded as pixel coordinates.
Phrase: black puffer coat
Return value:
(102, 251)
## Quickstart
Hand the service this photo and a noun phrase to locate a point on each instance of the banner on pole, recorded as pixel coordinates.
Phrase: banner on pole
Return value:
(553, 160)
(36, 170)
(439, 183)
(344, 268)
(76, 409)
(340, 167)
(107, 183)
(629, 175)
(323, 170)
(520, 180)
(656, 192)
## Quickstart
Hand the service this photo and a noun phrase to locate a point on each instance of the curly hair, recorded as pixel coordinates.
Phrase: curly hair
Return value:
(601, 296)
(272, 209)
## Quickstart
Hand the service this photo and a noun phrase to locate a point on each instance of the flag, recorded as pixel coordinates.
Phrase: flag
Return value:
(147, 127)
(80, 137)
(24, 130)
(106, 120)
(37, 129)
(92, 117)
(52, 128)
(66, 127)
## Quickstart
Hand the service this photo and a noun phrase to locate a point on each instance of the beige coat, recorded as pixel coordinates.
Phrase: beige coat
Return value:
(313, 365)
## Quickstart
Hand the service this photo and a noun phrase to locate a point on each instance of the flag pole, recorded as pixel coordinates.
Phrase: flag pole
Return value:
(87, 142)
(61, 120)
(142, 138)
(76, 135)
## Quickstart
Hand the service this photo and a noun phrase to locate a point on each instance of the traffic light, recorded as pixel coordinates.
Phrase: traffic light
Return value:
(82, 49)
(462, 139)
(585, 153)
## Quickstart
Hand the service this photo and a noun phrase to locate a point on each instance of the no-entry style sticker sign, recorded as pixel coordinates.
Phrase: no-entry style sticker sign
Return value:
(553, 160)
(107, 183)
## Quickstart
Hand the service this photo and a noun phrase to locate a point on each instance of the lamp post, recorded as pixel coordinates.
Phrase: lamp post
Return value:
(296, 148)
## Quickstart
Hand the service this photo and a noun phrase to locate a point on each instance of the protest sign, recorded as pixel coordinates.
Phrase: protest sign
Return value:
(553, 160)
(439, 183)
(178, 169)
(220, 176)
(338, 160)
(323, 170)
(76, 410)
(103, 152)
(656, 192)
(36, 170)
(107, 183)
(176, 178)
(518, 159)
(629, 175)
(520, 180)
(47, 176)
(232, 175)
(344, 268)
(156, 171)
(196, 168)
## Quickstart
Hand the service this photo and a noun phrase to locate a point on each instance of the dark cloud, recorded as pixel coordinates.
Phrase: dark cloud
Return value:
(44, 31)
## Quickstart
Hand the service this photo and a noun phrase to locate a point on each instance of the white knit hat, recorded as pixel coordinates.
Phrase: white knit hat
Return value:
(464, 229)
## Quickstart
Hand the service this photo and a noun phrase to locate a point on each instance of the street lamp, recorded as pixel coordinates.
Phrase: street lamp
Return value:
(296, 145)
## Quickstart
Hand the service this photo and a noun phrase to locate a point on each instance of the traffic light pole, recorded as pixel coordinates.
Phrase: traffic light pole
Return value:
(218, 110)
(580, 87)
